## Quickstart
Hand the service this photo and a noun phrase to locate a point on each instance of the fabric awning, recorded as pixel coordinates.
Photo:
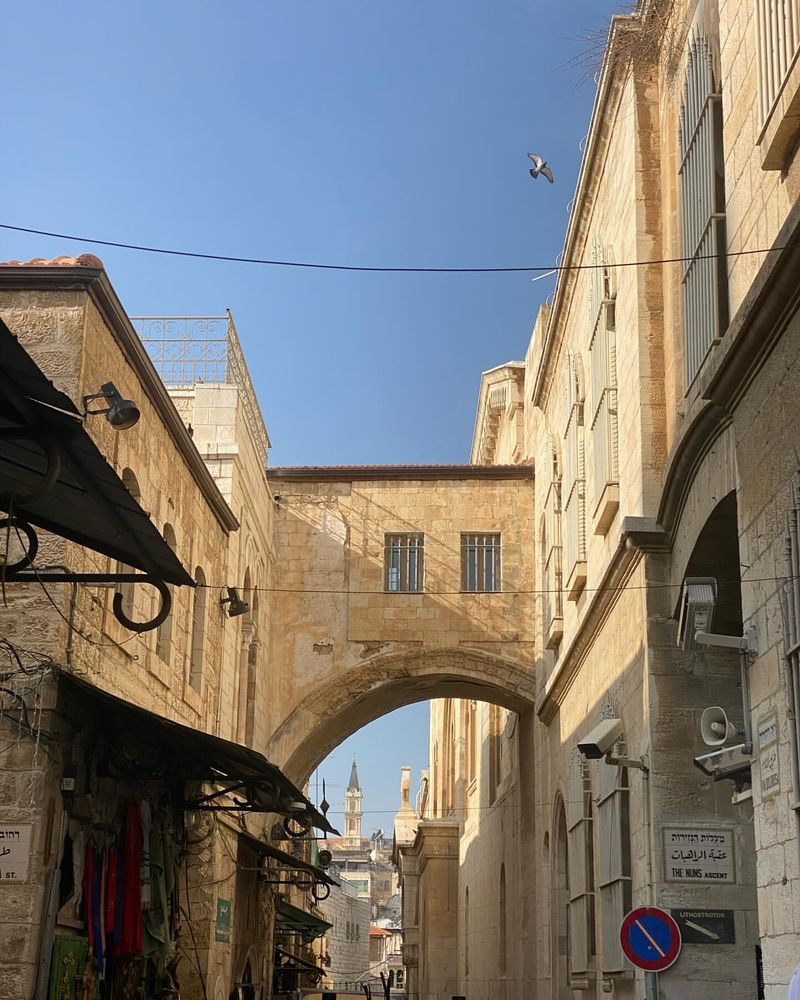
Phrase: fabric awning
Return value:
(141, 744)
(295, 962)
(87, 502)
(295, 919)
(287, 860)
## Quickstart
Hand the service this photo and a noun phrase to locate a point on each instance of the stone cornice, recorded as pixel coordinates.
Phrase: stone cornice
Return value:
(640, 535)
(369, 473)
(601, 128)
(95, 282)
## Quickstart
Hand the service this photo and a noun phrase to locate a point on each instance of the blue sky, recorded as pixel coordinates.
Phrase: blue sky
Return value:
(344, 131)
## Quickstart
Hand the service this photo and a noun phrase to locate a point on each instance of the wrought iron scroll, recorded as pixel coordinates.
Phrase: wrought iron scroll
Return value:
(23, 571)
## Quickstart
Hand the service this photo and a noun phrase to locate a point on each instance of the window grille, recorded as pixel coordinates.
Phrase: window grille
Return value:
(603, 363)
(480, 563)
(580, 870)
(403, 563)
(613, 869)
(574, 521)
(551, 556)
(778, 33)
(702, 184)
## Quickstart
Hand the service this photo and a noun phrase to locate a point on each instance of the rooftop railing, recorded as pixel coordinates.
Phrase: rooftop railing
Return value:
(192, 350)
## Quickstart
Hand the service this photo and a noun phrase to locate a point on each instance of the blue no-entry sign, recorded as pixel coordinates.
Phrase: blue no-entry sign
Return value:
(650, 938)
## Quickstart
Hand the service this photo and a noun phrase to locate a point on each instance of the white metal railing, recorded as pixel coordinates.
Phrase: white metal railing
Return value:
(778, 33)
(189, 350)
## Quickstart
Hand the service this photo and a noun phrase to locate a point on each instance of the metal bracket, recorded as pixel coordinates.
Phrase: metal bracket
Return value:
(640, 765)
(23, 571)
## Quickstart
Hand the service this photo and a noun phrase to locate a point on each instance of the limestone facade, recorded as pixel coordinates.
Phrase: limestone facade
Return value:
(656, 460)
(208, 496)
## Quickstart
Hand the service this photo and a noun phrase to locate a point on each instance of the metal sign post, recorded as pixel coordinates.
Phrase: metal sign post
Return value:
(651, 940)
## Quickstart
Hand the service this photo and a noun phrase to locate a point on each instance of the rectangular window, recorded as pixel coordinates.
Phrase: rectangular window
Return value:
(403, 563)
(702, 190)
(778, 31)
(614, 864)
(480, 563)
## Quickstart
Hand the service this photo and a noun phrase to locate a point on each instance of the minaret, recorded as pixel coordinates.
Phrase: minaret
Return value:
(352, 809)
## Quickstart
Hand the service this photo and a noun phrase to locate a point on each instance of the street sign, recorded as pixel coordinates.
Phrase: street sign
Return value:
(705, 926)
(650, 938)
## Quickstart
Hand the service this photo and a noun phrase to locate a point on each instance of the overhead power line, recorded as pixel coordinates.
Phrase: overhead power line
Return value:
(315, 265)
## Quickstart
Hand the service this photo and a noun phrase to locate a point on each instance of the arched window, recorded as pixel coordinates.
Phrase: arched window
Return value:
(252, 671)
(574, 524)
(197, 650)
(560, 905)
(502, 923)
(244, 660)
(471, 740)
(164, 630)
(126, 590)
(702, 196)
(551, 550)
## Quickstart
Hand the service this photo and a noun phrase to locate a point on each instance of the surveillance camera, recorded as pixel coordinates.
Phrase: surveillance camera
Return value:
(698, 599)
(601, 739)
(729, 762)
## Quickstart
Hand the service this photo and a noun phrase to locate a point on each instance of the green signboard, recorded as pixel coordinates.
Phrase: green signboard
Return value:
(222, 930)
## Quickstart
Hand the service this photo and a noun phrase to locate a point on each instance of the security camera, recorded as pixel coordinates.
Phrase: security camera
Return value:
(730, 762)
(698, 599)
(601, 739)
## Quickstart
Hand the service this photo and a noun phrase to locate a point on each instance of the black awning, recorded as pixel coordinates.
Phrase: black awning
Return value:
(141, 744)
(87, 502)
(286, 859)
(294, 919)
(295, 962)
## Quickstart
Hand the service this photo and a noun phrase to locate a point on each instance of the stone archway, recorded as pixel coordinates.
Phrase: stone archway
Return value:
(384, 682)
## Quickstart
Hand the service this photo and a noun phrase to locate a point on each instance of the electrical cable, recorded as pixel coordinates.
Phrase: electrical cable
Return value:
(384, 270)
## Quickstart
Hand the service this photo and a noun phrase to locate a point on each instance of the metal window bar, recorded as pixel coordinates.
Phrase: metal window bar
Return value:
(702, 209)
(580, 870)
(403, 563)
(480, 563)
(552, 555)
(603, 359)
(614, 876)
(778, 34)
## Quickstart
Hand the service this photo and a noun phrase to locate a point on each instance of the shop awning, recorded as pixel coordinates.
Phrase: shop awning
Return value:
(300, 964)
(294, 919)
(43, 443)
(287, 860)
(142, 744)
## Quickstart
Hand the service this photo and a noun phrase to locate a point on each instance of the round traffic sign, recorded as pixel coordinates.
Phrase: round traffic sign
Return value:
(650, 938)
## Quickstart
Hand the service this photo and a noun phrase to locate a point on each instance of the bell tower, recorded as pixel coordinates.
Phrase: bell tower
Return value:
(352, 809)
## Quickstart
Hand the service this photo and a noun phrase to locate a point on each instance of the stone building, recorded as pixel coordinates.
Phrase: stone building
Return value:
(115, 737)
(345, 946)
(658, 403)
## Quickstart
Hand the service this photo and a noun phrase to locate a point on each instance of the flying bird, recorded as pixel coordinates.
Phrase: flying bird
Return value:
(539, 167)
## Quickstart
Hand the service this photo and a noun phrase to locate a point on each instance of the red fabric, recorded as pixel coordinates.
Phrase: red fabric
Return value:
(130, 942)
(111, 895)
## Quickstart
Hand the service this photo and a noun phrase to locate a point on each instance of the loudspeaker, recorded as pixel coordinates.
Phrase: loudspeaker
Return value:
(715, 727)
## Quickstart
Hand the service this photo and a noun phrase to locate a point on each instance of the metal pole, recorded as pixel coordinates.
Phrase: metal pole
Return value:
(650, 986)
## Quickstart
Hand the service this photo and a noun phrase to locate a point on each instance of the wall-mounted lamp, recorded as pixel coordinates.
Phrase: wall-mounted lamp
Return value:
(236, 606)
(120, 413)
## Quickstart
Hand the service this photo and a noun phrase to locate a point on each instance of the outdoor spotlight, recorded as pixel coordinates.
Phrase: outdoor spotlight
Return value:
(236, 606)
(120, 413)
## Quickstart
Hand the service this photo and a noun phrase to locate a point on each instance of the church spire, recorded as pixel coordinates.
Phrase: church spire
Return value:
(352, 809)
